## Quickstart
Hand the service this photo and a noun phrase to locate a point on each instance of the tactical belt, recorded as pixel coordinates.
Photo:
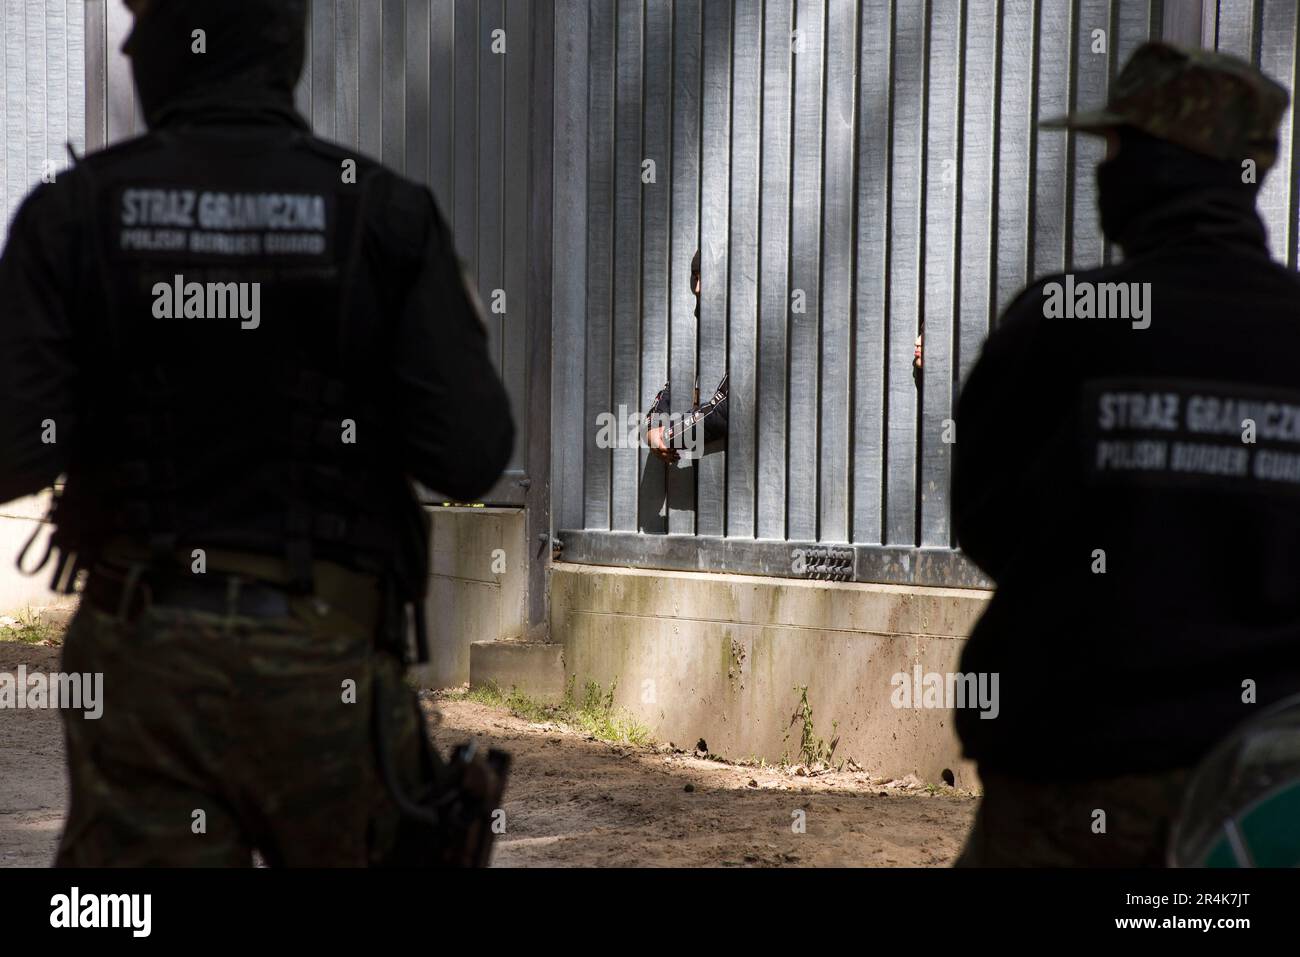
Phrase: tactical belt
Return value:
(235, 583)
(117, 592)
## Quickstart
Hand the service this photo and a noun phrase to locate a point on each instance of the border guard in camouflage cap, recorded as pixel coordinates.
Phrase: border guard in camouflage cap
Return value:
(1128, 474)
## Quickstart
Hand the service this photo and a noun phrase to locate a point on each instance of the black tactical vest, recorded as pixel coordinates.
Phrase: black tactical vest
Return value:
(234, 365)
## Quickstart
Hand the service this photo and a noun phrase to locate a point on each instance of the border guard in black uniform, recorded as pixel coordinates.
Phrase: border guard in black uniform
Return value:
(240, 344)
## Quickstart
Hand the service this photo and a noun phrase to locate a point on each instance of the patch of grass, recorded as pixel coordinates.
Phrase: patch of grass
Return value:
(593, 713)
(30, 629)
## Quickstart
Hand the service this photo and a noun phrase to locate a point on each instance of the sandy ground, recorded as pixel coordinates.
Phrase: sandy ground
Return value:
(33, 788)
(574, 801)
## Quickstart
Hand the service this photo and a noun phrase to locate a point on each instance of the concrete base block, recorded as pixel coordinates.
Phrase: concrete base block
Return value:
(724, 658)
(533, 668)
(478, 587)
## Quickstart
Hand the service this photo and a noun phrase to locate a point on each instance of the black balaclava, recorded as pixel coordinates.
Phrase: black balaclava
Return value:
(255, 53)
(1149, 173)
(695, 271)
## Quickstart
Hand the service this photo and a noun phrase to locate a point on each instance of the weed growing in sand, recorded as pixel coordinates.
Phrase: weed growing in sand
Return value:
(30, 629)
(814, 752)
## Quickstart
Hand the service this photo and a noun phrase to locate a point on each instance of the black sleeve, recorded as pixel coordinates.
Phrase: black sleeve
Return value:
(715, 425)
(38, 366)
(453, 412)
(998, 425)
(663, 404)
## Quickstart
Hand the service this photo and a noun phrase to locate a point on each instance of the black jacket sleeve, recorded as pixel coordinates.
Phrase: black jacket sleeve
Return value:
(663, 402)
(453, 412)
(1002, 420)
(715, 425)
(38, 363)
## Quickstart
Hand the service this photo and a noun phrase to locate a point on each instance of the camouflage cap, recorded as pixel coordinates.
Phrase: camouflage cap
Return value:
(1207, 102)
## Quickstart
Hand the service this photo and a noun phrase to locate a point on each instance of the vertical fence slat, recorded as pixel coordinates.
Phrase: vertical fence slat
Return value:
(324, 81)
(96, 73)
(15, 117)
(1277, 58)
(626, 345)
(746, 137)
(1051, 208)
(1015, 144)
(941, 203)
(1237, 28)
(600, 262)
(418, 98)
(393, 102)
(35, 97)
(572, 428)
(684, 336)
(1132, 27)
(370, 80)
(55, 123)
(347, 71)
(805, 271)
(302, 93)
(837, 271)
(773, 275)
(514, 161)
(78, 63)
(871, 306)
(656, 261)
(10, 85)
(491, 102)
(465, 134)
(1088, 246)
(120, 119)
(442, 105)
(715, 193)
(978, 183)
(906, 218)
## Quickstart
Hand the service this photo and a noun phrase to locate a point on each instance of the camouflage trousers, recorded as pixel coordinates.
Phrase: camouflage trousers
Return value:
(223, 735)
(1111, 822)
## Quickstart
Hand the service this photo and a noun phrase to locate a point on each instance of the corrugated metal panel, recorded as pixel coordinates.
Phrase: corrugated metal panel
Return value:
(43, 89)
(853, 173)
